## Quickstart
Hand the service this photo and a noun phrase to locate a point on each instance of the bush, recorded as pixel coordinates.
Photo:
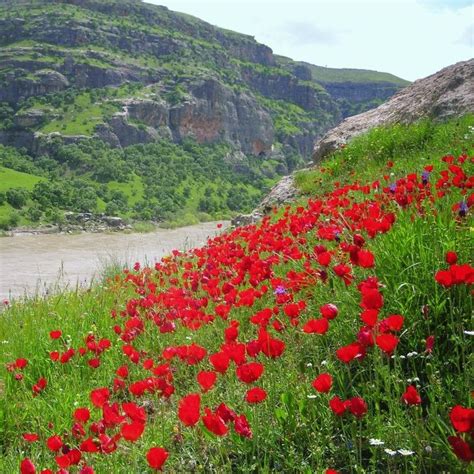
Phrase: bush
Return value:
(17, 197)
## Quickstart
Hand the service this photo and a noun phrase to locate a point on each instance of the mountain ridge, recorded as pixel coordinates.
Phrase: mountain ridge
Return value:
(92, 90)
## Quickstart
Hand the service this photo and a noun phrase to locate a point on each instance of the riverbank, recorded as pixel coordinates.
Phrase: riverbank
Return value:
(39, 264)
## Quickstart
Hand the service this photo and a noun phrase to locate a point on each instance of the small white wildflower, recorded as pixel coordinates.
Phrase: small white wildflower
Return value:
(390, 452)
(406, 452)
(401, 357)
(4, 342)
(309, 364)
(428, 449)
(189, 338)
(412, 354)
(311, 396)
(469, 333)
(414, 379)
(376, 442)
(324, 362)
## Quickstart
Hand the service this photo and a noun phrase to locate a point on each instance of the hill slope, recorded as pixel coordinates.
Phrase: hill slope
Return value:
(333, 335)
(125, 73)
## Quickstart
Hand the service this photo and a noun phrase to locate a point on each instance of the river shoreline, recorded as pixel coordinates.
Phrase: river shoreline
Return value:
(37, 264)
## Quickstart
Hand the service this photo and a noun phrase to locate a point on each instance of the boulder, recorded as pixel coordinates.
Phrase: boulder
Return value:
(446, 94)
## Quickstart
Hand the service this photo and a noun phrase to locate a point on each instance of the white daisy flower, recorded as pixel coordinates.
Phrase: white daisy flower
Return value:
(469, 333)
(390, 452)
(406, 452)
(376, 442)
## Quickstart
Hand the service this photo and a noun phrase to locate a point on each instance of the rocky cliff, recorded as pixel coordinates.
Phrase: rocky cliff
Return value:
(448, 93)
(127, 72)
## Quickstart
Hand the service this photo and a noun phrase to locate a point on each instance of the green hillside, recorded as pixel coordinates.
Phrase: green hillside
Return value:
(334, 336)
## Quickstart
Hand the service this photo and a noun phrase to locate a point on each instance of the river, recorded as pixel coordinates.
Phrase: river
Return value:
(39, 264)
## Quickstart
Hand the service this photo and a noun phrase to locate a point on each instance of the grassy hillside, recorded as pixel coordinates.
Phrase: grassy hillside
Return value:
(329, 74)
(335, 336)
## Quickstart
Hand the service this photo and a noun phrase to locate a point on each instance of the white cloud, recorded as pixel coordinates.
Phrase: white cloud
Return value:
(306, 33)
(467, 36)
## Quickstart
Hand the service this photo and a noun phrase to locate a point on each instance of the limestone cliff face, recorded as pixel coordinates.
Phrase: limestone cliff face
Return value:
(193, 79)
(448, 93)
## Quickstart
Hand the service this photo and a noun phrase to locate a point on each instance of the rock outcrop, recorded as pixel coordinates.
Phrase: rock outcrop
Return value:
(448, 93)
(193, 80)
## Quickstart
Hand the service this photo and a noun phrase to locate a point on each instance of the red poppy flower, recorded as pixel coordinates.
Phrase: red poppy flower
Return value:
(82, 415)
(329, 311)
(444, 278)
(461, 449)
(316, 326)
(357, 406)
(242, 427)
(256, 395)
(214, 423)
(337, 406)
(132, 431)
(462, 419)
(156, 457)
(393, 322)
(365, 259)
(451, 257)
(39, 386)
(55, 334)
(371, 299)
(30, 437)
(189, 409)
(21, 363)
(324, 258)
(69, 459)
(122, 371)
(225, 413)
(350, 352)
(323, 383)
(220, 361)
(411, 396)
(250, 372)
(54, 443)
(100, 396)
(369, 317)
(27, 467)
(206, 379)
(387, 342)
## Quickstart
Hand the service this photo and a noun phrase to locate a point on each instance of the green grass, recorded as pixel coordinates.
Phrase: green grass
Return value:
(328, 74)
(81, 117)
(406, 146)
(293, 430)
(16, 179)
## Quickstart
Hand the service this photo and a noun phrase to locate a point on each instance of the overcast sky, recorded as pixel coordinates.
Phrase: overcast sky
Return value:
(409, 38)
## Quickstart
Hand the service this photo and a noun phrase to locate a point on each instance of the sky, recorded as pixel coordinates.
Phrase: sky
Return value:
(409, 38)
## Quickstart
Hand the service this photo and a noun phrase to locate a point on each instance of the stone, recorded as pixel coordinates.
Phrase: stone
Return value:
(448, 93)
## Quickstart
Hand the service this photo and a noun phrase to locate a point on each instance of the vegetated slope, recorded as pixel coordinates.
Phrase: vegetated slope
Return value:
(123, 73)
(336, 334)
(446, 94)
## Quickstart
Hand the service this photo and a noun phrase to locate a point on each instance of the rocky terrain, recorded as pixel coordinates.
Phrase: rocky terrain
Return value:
(448, 93)
(133, 110)
(191, 80)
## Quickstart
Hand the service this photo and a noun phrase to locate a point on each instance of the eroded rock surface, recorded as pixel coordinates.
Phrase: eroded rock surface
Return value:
(446, 94)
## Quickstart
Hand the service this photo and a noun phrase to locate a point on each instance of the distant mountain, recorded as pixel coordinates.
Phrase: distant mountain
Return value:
(126, 73)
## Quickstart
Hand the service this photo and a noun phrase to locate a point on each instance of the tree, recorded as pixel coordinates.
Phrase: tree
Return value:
(17, 197)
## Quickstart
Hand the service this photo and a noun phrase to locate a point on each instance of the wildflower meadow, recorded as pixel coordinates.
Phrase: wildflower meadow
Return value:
(333, 336)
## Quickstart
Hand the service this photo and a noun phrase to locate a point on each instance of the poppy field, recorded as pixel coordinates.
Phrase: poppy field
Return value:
(334, 336)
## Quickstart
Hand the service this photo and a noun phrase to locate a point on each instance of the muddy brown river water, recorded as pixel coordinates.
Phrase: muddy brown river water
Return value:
(38, 264)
